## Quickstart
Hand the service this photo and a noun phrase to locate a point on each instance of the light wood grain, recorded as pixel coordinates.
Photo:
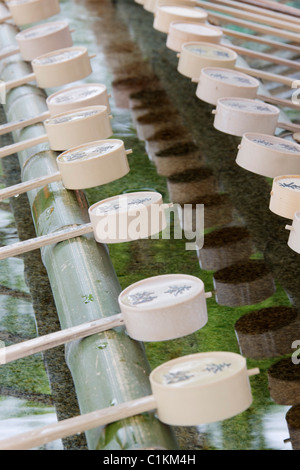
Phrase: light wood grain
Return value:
(23, 145)
(25, 186)
(46, 342)
(36, 243)
(13, 126)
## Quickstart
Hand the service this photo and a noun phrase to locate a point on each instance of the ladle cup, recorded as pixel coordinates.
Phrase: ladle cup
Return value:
(196, 55)
(57, 68)
(68, 130)
(24, 12)
(285, 196)
(64, 101)
(267, 155)
(236, 116)
(86, 166)
(39, 40)
(158, 308)
(294, 237)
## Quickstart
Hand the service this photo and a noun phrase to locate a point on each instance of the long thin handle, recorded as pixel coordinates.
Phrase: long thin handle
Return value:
(261, 12)
(5, 18)
(254, 371)
(45, 240)
(266, 75)
(44, 343)
(294, 37)
(278, 101)
(9, 53)
(79, 424)
(21, 123)
(20, 81)
(285, 26)
(274, 6)
(260, 40)
(263, 56)
(25, 144)
(22, 188)
(289, 127)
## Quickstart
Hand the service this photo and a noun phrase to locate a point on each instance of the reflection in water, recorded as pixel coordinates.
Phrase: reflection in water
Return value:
(275, 428)
(268, 332)
(17, 319)
(272, 434)
(243, 283)
(21, 416)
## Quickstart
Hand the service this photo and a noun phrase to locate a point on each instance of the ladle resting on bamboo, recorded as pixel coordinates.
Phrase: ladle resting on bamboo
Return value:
(56, 68)
(82, 167)
(168, 313)
(39, 40)
(68, 130)
(29, 11)
(64, 101)
(192, 390)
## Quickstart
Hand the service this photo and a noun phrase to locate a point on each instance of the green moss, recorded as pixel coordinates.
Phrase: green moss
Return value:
(26, 375)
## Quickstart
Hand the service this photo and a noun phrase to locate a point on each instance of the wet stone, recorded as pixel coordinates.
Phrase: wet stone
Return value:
(284, 382)
(268, 332)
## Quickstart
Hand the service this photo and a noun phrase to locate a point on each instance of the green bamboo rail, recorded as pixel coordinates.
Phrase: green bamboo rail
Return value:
(109, 368)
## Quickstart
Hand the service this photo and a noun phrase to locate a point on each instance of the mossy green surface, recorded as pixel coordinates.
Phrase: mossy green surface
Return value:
(26, 375)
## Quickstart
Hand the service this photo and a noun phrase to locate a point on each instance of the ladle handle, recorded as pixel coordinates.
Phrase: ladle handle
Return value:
(5, 18)
(45, 240)
(272, 77)
(9, 53)
(78, 424)
(289, 127)
(25, 144)
(260, 40)
(44, 343)
(263, 56)
(21, 188)
(266, 75)
(20, 81)
(278, 101)
(260, 28)
(13, 126)
(267, 8)
(251, 372)
(279, 23)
